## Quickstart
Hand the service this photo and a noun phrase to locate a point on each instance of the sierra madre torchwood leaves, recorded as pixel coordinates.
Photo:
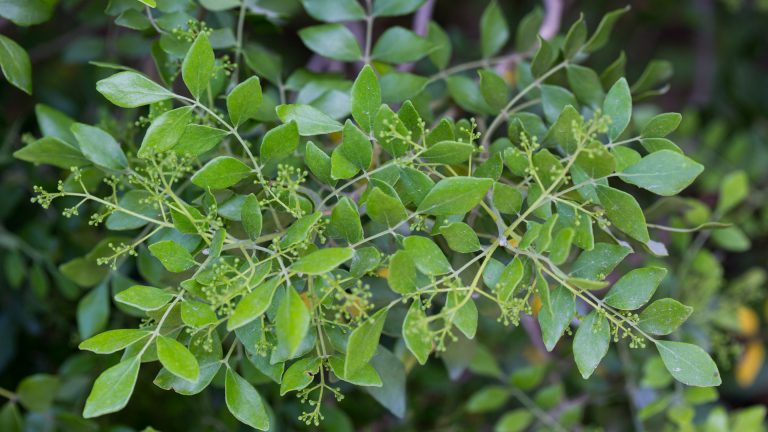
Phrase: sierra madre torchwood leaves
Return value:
(246, 238)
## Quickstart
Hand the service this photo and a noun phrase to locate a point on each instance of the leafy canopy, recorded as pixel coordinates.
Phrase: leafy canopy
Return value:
(305, 236)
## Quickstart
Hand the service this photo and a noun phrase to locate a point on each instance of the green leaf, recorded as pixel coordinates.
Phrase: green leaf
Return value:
(99, 147)
(635, 288)
(493, 88)
(244, 101)
(661, 125)
(733, 190)
(250, 216)
(464, 315)
(575, 38)
(448, 152)
(10, 418)
(244, 402)
(355, 146)
(560, 247)
(345, 221)
(300, 229)
(544, 58)
(299, 375)
(366, 98)
(292, 322)
(363, 343)
(507, 199)
(603, 32)
(385, 209)
(138, 203)
(54, 123)
(599, 262)
(689, 364)
(416, 333)
(112, 388)
(265, 63)
(311, 121)
(322, 261)
(341, 167)
(131, 90)
(664, 172)
(197, 68)
(383, 8)
(318, 163)
(173, 256)
(399, 45)
(365, 376)
(36, 392)
(618, 106)
(427, 256)
(254, 304)
(143, 297)
(514, 421)
(555, 318)
(93, 311)
(623, 211)
(528, 30)
(554, 99)
(331, 40)
(113, 340)
(165, 131)
(385, 121)
(27, 12)
(177, 359)
(198, 139)
(494, 31)
(586, 85)
(509, 279)
(280, 142)
(334, 10)
(487, 399)
(467, 94)
(402, 276)
(460, 237)
(397, 87)
(455, 196)
(51, 151)
(591, 343)
(197, 314)
(221, 173)
(732, 239)
(664, 316)
(14, 61)
(440, 55)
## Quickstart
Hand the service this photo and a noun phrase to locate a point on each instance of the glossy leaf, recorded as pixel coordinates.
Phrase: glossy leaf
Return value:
(366, 98)
(244, 100)
(15, 64)
(131, 90)
(635, 288)
(591, 343)
(177, 359)
(363, 342)
(221, 172)
(331, 40)
(455, 196)
(663, 172)
(112, 388)
(244, 402)
(689, 364)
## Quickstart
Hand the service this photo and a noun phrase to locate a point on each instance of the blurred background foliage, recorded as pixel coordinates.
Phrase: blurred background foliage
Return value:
(712, 53)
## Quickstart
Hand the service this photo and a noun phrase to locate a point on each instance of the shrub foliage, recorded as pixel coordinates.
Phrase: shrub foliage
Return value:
(310, 226)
